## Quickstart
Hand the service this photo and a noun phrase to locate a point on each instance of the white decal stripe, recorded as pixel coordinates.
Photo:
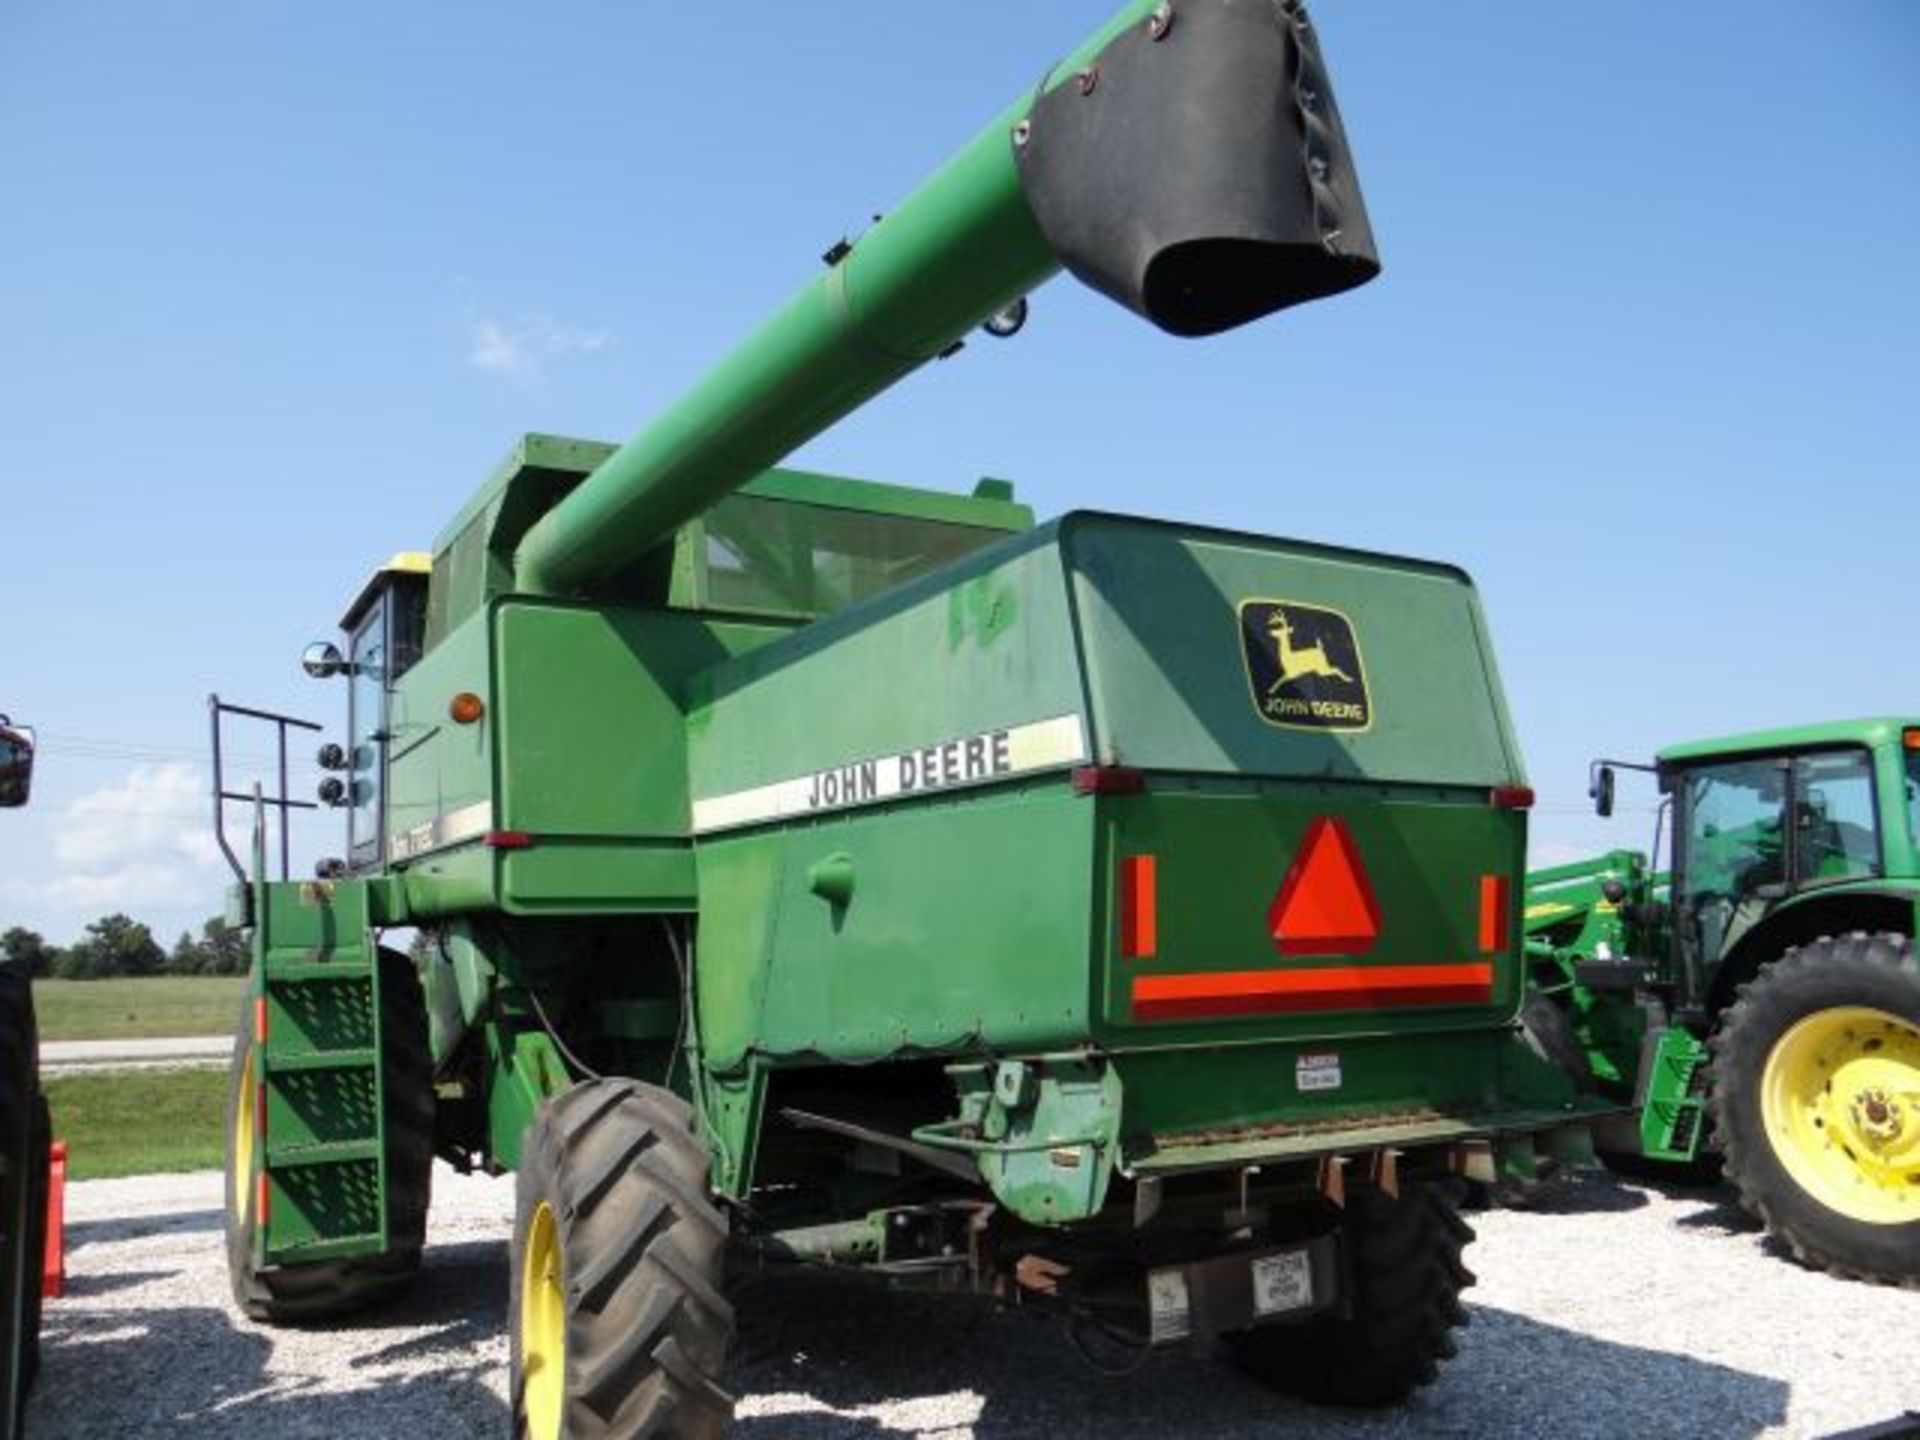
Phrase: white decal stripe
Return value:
(442, 831)
(957, 764)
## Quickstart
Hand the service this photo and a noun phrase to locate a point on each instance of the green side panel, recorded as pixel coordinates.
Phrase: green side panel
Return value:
(435, 768)
(451, 882)
(1171, 669)
(591, 727)
(584, 876)
(967, 926)
(1221, 853)
(982, 645)
(324, 1137)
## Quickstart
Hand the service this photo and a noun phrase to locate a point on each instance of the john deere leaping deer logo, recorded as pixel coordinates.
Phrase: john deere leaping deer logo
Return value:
(1303, 664)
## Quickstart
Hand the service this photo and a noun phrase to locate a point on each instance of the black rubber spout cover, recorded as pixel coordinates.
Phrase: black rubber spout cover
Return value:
(1202, 179)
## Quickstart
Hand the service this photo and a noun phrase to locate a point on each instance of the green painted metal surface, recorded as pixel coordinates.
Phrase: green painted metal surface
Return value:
(1673, 1115)
(322, 1144)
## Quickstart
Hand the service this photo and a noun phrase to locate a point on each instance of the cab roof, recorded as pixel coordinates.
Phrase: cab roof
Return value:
(1879, 730)
(407, 562)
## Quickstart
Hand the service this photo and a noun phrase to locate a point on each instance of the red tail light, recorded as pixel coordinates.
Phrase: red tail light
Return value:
(509, 839)
(1108, 780)
(1512, 797)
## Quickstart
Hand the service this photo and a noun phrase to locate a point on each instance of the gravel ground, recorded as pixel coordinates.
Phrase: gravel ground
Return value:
(1624, 1310)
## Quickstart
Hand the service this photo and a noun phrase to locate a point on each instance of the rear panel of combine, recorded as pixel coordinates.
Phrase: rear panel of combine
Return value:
(1308, 905)
(1228, 809)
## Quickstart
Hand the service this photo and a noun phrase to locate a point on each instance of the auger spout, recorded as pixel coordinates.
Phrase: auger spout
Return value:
(1187, 161)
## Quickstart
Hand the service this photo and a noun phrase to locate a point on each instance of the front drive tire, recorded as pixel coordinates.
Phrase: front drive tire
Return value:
(297, 1294)
(618, 1322)
(1815, 1097)
(1405, 1272)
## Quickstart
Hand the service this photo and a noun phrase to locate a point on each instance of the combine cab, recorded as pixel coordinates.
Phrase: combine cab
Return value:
(1110, 915)
(1758, 1004)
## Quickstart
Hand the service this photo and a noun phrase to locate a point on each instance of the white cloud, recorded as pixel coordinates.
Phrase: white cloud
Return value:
(522, 349)
(144, 841)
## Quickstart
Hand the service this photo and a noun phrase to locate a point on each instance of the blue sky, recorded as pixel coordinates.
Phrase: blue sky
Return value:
(279, 284)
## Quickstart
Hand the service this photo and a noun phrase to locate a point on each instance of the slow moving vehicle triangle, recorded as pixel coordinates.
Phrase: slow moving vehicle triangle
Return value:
(1325, 905)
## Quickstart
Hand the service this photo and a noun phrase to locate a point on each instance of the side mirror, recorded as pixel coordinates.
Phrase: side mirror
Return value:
(16, 763)
(1600, 790)
(323, 660)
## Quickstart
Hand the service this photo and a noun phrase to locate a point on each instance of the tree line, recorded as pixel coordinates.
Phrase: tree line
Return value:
(117, 945)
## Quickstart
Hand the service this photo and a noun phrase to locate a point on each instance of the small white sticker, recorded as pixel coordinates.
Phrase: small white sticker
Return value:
(1320, 1071)
(1282, 1283)
(1167, 1306)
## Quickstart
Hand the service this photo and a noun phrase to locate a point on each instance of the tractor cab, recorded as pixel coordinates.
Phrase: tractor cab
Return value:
(385, 628)
(1772, 821)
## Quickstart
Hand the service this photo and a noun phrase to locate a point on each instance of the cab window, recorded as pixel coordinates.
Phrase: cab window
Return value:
(1836, 836)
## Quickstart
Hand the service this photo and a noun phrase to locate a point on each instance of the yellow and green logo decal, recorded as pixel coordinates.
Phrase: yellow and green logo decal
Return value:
(1303, 664)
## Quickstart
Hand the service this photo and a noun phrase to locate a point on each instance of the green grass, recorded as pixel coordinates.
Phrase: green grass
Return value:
(125, 1009)
(140, 1122)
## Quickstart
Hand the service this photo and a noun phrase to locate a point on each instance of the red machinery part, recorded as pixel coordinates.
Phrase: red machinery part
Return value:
(53, 1275)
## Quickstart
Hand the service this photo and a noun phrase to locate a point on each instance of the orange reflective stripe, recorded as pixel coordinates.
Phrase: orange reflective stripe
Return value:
(1494, 910)
(1340, 987)
(1139, 907)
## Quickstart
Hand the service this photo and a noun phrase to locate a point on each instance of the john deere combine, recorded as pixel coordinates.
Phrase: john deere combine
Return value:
(1760, 999)
(1111, 915)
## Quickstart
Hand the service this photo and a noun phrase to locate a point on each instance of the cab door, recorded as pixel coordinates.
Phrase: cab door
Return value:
(368, 656)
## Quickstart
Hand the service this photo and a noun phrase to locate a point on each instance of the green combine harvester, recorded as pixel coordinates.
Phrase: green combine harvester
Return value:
(1757, 1002)
(1109, 915)
(26, 1134)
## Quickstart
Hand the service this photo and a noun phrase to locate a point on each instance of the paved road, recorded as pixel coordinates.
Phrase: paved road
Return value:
(1619, 1309)
(67, 1056)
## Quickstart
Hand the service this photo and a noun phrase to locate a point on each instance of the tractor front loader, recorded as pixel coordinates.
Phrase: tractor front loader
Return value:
(1110, 915)
(1757, 1003)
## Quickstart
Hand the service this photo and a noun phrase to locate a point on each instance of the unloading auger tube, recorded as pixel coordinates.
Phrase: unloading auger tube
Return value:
(1187, 161)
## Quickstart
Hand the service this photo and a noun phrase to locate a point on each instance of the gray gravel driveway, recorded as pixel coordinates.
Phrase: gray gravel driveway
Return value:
(1625, 1310)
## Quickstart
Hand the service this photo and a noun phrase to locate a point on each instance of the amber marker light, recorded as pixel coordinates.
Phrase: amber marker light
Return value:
(465, 708)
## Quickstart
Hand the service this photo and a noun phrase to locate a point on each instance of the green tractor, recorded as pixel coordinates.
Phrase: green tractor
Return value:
(25, 1137)
(1757, 1001)
(1108, 915)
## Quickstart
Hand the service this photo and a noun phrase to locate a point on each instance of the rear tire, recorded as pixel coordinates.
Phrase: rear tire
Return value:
(24, 1138)
(1405, 1274)
(293, 1294)
(1816, 1070)
(619, 1325)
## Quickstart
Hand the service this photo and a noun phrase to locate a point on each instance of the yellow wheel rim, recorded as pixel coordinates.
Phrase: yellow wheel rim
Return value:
(241, 1196)
(543, 1327)
(1840, 1098)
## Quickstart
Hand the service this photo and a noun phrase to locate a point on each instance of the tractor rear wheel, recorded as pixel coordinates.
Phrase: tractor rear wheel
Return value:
(1815, 1098)
(1406, 1275)
(293, 1294)
(618, 1323)
(24, 1138)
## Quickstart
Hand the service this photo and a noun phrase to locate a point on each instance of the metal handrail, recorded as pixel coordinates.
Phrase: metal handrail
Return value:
(281, 802)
